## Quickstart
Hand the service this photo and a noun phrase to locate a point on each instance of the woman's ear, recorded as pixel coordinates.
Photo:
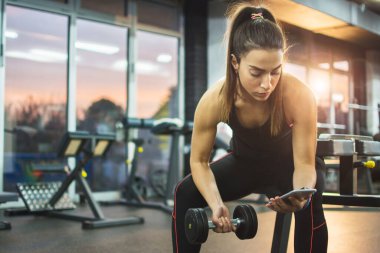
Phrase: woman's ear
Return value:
(234, 62)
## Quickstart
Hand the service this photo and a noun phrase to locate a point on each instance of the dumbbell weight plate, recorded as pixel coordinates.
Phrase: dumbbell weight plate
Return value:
(255, 223)
(196, 225)
(248, 228)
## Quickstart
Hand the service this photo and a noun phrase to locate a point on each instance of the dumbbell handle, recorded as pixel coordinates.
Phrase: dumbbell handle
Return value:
(235, 222)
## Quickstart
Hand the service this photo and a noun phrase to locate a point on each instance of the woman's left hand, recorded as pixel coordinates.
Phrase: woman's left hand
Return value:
(289, 205)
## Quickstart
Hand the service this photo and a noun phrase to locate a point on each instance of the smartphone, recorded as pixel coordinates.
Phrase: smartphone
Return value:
(298, 194)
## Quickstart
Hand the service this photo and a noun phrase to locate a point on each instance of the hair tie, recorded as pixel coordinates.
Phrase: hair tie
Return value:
(255, 16)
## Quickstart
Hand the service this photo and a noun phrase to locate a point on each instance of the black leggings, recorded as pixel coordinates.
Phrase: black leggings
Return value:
(236, 178)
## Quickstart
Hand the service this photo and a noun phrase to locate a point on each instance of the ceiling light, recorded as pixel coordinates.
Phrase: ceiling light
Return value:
(11, 34)
(164, 58)
(50, 55)
(98, 48)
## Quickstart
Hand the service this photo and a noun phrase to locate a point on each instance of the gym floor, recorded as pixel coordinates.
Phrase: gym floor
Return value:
(350, 230)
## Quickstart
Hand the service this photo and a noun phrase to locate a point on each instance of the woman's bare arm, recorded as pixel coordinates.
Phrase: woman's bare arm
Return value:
(303, 109)
(206, 119)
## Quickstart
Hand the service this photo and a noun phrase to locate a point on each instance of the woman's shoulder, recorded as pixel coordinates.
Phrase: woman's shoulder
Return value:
(294, 88)
(212, 95)
(210, 104)
(298, 99)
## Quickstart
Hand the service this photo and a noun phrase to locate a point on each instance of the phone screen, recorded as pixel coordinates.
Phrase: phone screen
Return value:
(299, 193)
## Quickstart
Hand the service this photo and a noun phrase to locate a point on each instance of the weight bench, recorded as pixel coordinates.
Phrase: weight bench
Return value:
(6, 197)
(350, 149)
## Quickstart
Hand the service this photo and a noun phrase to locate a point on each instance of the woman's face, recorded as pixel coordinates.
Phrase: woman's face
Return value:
(259, 72)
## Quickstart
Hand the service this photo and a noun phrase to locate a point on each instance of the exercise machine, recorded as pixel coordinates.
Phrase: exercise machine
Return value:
(166, 126)
(51, 198)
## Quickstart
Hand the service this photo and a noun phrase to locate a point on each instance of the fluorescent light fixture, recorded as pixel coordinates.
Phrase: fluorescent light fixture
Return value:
(11, 34)
(49, 55)
(24, 56)
(38, 55)
(98, 48)
(164, 58)
(27, 56)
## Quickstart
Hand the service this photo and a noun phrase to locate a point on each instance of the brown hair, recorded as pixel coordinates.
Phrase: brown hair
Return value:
(244, 34)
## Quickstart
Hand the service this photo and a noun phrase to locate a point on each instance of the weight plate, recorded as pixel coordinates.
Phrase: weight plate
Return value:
(191, 225)
(195, 226)
(203, 236)
(255, 223)
(248, 226)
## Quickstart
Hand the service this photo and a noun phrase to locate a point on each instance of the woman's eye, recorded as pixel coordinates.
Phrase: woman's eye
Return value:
(275, 73)
(255, 74)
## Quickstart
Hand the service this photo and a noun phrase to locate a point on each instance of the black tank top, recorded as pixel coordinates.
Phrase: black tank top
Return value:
(257, 143)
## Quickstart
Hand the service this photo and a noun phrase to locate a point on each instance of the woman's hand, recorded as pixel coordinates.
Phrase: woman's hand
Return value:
(221, 219)
(291, 204)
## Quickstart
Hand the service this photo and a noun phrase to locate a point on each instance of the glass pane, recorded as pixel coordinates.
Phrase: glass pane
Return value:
(340, 98)
(35, 93)
(101, 95)
(319, 82)
(157, 75)
(159, 15)
(115, 7)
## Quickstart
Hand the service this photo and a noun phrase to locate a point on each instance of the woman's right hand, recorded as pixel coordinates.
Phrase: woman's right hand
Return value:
(221, 219)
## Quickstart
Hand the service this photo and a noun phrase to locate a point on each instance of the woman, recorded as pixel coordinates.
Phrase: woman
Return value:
(273, 118)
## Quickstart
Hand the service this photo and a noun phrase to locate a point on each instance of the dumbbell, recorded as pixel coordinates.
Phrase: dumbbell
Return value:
(197, 224)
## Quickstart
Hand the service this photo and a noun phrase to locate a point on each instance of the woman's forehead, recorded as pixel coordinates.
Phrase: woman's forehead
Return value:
(264, 58)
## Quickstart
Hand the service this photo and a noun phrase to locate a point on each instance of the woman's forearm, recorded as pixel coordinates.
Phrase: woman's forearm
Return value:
(205, 181)
(305, 177)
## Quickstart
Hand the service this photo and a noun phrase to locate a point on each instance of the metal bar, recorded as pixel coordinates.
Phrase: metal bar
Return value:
(347, 176)
(356, 200)
(68, 180)
(281, 233)
(95, 208)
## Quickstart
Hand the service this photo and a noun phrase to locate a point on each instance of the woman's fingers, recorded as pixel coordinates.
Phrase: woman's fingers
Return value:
(291, 205)
(223, 225)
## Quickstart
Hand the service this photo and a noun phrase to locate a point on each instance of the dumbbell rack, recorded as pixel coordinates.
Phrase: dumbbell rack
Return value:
(349, 149)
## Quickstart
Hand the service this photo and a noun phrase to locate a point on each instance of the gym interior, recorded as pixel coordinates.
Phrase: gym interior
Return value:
(97, 104)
